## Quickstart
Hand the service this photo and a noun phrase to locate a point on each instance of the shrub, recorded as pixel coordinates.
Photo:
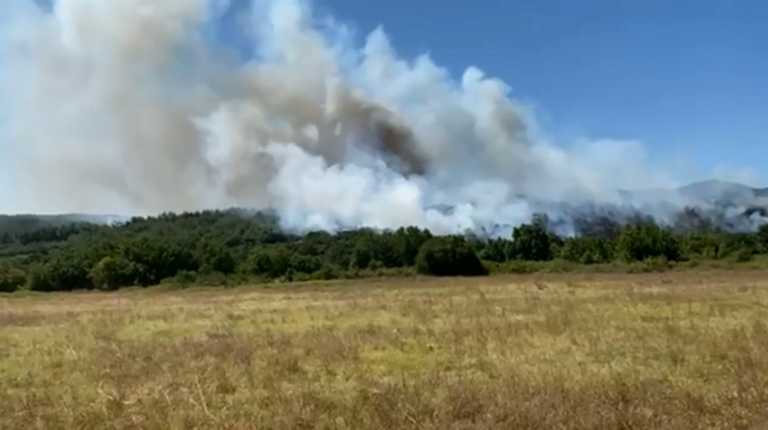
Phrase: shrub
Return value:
(362, 256)
(495, 250)
(640, 242)
(326, 273)
(157, 259)
(448, 256)
(11, 279)
(704, 245)
(183, 279)
(270, 262)
(762, 238)
(649, 265)
(587, 250)
(744, 255)
(215, 258)
(112, 273)
(531, 242)
(63, 273)
(305, 263)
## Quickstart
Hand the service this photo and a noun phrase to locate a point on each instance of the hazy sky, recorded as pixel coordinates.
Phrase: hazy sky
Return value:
(688, 78)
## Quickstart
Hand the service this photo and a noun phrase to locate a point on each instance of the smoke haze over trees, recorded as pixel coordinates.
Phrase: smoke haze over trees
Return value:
(142, 106)
(235, 246)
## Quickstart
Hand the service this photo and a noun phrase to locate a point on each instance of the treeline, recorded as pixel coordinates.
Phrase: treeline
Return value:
(219, 247)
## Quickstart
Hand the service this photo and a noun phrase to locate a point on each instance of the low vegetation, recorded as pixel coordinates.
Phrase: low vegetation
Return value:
(236, 247)
(678, 350)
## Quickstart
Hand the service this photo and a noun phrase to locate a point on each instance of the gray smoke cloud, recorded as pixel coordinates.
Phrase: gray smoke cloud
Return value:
(130, 106)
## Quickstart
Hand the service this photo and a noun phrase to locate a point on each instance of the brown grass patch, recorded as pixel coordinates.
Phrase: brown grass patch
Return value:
(684, 350)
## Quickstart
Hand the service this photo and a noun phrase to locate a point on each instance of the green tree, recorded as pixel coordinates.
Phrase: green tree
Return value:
(62, 273)
(531, 242)
(112, 273)
(762, 238)
(639, 242)
(11, 279)
(448, 256)
(702, 245)
(215, 257)
(305, 263)
(407, 242)
(272, 262)
(587, 250)
(158, 258)
(496, 250)
(362, 254)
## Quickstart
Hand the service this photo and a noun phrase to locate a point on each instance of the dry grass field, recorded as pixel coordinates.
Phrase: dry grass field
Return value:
(683, 350)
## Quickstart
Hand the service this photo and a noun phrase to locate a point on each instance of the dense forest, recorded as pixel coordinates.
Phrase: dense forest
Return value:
(234, 246)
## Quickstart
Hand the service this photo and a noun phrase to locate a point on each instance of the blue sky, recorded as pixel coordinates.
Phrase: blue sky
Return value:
(688, 78)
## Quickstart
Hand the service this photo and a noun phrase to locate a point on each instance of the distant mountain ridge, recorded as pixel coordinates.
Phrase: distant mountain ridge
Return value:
(26, 223)
(715, 191)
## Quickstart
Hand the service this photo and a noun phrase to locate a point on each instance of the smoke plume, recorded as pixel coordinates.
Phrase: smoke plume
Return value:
(142, 106)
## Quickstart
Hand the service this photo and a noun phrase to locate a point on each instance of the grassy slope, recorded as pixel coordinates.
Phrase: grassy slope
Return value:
(675, 350)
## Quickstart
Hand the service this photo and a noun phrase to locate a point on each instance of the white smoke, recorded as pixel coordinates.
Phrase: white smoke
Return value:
(131, 106)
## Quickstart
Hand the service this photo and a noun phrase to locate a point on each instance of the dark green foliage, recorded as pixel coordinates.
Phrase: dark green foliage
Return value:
(305, 263)
(157, 258)
(408, 242)
(703, 245)
(531, 242)
(226, 247)
(11, 278)
(449, 256)
(739, 246)
(646, 240)
(112, 273)
(587, 250)
(744, 255)
(62, 273)
(270, 262)
(54, 234)
(184, 278)
(496, 250)
(215, 257)
(762, 239)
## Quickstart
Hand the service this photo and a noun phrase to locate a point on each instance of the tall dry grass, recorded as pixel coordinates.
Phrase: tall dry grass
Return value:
(679, 350)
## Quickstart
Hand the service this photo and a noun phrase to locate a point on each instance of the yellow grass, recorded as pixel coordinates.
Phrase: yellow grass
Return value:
(685, 350)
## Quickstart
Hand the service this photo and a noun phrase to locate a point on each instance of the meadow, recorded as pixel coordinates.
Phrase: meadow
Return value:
(674, 350)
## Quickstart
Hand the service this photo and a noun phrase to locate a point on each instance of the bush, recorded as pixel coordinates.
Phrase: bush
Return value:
(11, 279)
(112, 273)
(215, 258)
(587, 250)
(183, 279)
(640, 242)
(449, 256)
(63, 273)
(650, 265)
(269, 262)
(703, 245)
(305, 263)
(326, 273)
(495, 250)
(744, 255)
(531, 242)
(157, 258)
(762, 238)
